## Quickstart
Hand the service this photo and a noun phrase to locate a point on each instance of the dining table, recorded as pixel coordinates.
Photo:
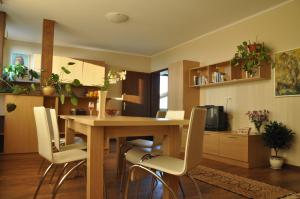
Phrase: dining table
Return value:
(97, 130)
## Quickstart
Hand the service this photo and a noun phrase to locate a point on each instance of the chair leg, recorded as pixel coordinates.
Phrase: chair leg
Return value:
(41, 166)
(53, 173)
(123, 174)
(181, 188)
(131, 170)
(65, 176)
(196, 185)
(60, 175)
(42, 179)
(153, 186)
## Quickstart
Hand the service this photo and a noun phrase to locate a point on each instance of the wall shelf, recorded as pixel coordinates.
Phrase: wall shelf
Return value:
(223, 73)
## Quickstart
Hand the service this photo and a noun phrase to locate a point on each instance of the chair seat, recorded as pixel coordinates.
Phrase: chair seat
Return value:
(134, 155)
(141, 143)
(165, 164)
(69, 156)
(73, 146)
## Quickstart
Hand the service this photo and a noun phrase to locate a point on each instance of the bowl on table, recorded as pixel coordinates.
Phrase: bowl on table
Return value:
(111, 112)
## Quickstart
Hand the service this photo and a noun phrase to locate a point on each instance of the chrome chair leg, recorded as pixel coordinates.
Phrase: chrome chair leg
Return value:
(196, 185)
(131, 170)
(60, 175)
(42, 179)
(181, 188)
(65, 176)
(41, 166)
(123, 173)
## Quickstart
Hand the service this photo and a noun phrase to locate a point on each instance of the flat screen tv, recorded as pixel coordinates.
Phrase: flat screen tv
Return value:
(216, 118)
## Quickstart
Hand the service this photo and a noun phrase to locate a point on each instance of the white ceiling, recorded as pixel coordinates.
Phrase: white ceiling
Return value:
(154, 25)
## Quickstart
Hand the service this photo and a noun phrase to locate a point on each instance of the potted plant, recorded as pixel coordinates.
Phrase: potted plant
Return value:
(55, 84)
(251, 56)
(19, 72)
(258, 118)
(277, 136)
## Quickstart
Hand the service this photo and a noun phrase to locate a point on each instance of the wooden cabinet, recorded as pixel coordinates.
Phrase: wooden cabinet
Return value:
(19, 125)
(89, 74)
(180, 95)
(240, 150)
(223, 73)
(92, 74)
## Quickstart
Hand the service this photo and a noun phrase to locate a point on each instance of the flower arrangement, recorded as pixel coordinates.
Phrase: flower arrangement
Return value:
(258, 118)
(112, 78)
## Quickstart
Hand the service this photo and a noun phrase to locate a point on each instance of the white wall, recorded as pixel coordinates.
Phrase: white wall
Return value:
(280, 30)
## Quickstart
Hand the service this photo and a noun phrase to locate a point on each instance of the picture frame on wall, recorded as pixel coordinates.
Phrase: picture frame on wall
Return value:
(287, 73)
(17, 58)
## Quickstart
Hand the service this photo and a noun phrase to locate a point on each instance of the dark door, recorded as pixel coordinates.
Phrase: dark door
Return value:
(136, 91)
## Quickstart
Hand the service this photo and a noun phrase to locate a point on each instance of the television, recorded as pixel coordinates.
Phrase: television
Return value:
(216, 118)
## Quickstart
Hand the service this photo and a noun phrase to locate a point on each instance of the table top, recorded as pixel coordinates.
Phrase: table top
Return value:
(124, 121)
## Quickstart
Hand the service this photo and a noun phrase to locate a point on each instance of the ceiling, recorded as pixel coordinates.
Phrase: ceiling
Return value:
(154, 25)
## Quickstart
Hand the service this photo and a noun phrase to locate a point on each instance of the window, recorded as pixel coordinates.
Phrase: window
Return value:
(163, 90)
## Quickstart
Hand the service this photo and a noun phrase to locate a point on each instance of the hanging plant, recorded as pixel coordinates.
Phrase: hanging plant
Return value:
(251, 56)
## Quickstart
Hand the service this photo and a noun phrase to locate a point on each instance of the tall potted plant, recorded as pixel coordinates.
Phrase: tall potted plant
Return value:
(277, 136)
(251, 56)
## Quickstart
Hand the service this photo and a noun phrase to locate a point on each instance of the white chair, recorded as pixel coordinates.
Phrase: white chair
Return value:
(136, 153)
(173, 165)
(55, 158)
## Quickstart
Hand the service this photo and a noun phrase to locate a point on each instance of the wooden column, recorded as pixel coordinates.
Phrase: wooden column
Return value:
(2, 34)
(47, 48)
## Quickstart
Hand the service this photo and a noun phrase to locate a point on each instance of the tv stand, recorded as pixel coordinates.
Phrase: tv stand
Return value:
(236, 149)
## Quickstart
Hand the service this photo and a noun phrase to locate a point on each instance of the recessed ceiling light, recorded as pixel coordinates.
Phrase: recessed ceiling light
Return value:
(116, 17)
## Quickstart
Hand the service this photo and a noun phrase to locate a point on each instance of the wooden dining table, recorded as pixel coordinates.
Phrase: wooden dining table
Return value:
(98, 129)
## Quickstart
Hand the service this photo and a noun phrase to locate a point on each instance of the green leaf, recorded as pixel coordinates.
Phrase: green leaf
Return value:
(74, 100)
(76, 82)
(54, 77)
(62, 98)
(68, 88)
(71, 63)
(10, 107)
(65, 70)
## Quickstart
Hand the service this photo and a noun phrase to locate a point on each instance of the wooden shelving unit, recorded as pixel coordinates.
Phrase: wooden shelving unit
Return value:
(223, 73)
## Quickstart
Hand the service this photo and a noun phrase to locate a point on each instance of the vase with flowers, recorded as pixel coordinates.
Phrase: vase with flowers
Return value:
(112, 77)
(258, 117)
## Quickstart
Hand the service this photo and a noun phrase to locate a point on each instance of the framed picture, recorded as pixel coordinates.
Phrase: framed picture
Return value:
(20, 58)
(287, 73)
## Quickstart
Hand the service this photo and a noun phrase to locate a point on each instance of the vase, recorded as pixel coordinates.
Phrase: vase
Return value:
(257, 126)
(102, 103)
(48, 91)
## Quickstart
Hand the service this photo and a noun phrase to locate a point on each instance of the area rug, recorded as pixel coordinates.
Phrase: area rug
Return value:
(240, 185)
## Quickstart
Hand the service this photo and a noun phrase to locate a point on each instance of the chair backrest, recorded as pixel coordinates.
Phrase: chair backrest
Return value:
(161, 114)
(194, 141)
(55, 128)
(176, 115)
(43, 133)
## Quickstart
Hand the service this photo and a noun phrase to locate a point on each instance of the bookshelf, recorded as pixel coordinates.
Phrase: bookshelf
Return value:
(223, 73)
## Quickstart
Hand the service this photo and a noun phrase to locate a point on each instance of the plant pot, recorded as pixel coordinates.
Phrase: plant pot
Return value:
(276, 162)
(48, 91)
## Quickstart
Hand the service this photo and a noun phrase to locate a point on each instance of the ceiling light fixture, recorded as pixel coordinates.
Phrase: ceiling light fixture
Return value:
(116, 17)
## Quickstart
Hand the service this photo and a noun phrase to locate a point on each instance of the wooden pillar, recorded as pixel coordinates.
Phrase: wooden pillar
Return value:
(47, 48)
(2, 34)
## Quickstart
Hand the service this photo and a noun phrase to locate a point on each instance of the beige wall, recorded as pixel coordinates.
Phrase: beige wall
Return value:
(115, 61)
(278, 28)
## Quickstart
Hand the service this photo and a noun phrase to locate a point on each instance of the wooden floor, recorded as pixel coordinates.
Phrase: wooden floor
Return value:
(19, 177)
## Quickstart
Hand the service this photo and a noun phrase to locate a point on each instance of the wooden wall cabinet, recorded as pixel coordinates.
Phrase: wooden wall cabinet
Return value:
(180, 95)
(240, 150)
(19, 126)
(223, 73)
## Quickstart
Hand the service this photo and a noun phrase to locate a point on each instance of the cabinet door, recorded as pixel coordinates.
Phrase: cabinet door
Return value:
(234, 147)
(211, 143)
(93, 74)
(76, 69)
(19, 126)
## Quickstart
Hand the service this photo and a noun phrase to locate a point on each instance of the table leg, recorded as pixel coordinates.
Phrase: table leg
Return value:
(69, 133)
(171, 147)
(95, 163)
